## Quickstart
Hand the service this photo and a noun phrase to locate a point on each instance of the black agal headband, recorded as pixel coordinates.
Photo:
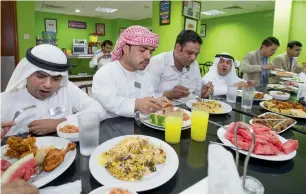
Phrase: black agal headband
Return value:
(224, 56)
(46, 64)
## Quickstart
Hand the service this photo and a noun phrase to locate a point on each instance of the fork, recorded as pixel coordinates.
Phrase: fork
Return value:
(37, 171)
(22, 110)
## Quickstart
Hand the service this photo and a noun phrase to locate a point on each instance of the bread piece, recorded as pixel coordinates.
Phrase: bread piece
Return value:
(297, 113)
(275, 110)
(285, 111)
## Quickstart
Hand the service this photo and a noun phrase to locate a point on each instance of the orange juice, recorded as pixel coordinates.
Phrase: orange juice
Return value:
(199, 122)
(173, 127)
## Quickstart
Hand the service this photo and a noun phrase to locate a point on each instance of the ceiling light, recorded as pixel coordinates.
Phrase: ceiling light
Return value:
(213, 12)
(77, 10)
(106, 10)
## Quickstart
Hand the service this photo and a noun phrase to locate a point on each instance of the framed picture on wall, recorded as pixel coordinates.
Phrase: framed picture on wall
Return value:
(203, 30)
(121, 30)
(50, 25)
(164, 12)
(191, 24)
(192, 9)
(100, 29)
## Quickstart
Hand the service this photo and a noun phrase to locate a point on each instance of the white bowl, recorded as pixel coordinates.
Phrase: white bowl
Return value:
(107, 189)
(277, 96)
(74, 137)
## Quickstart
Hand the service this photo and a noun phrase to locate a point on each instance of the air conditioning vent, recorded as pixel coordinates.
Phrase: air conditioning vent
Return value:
(48, 6)
(233, 7)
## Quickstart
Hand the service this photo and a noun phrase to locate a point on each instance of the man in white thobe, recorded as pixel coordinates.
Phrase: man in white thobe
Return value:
(41, 80)
(222, 73)
(176, 74)
(122, 87)
(103, 56)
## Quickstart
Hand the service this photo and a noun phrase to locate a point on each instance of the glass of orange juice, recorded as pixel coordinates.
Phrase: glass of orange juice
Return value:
(199, 122)
(173, 126)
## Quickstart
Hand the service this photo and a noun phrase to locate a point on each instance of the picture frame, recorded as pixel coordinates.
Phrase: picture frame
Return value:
(164, 12)
(76, 24)
(100, 29)
(203, 30)
(50, 25)
(190, 24)
(192, 9)
(121, 30)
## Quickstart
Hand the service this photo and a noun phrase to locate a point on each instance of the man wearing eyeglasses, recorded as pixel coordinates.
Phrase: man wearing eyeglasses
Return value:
(176, 74)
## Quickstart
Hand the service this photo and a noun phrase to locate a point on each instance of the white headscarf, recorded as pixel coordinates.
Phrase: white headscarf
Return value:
(25, 68)
(217, 79)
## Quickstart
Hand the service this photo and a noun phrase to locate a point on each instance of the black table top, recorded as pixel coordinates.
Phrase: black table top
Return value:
(277, 177)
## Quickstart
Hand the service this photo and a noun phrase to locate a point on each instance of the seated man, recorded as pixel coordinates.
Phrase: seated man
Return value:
(287, 61)
(223, 73)
(176, 74)
(255, 64)
(41, 79)
(103, 57)
(122, 87)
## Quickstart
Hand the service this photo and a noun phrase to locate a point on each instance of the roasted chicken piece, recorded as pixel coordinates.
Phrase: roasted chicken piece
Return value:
(55, 157)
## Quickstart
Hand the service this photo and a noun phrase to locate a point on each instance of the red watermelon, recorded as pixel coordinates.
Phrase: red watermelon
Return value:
(22, 169)
(290, 146)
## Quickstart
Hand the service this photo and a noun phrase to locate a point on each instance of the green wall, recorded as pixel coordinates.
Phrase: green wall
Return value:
(298, 27)
(25, 25)
(237, 34)
(65, 34)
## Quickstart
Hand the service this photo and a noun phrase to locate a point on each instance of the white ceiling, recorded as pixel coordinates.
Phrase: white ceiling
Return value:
(136, 10)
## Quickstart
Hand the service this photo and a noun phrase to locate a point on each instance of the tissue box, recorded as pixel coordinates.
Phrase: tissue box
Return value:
(157, 119)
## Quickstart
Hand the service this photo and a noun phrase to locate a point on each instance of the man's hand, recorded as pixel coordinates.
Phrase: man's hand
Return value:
(268, 67)
(148, 105)
(20, 187)
(207, 90)
(164, 101)
(6, 126)
(177, 92)
(44, 126)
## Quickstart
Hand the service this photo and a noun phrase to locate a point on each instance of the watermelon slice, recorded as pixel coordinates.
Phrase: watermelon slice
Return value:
(4, 165)
(22, 169)
(290, 146)
(267, 149)
(260, 129)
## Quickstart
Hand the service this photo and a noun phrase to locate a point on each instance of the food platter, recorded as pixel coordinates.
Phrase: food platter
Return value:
(280, 126)
(163, 173)
(225, 108)
(265, 97)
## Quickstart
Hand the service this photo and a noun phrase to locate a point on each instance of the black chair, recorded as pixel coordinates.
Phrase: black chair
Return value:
(206, 66)
(86, 86)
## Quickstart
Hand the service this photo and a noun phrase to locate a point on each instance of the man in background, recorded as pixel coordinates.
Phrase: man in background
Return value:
(288, 60)
(176, 74)
(255, 64)
(103, 56)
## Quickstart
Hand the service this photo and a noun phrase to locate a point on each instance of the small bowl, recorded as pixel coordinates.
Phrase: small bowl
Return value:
(277, 96)
(74, 137)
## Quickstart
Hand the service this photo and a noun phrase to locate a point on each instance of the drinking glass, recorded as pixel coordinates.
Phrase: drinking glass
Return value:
(231, 94)
(253, 186)
(89, 125)
(173, 126)
(199, 122)
(247, 97)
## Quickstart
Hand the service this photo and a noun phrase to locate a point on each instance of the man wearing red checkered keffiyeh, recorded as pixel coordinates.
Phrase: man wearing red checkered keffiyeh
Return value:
(121, 86)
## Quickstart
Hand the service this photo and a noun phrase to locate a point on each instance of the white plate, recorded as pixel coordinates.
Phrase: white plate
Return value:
(281, 157)
(266, 96)
(262, 105)
(45, 177)
(163, 173)
(281, 87)
(107, 189)
(275, 73)
(292, 79)
(225, 107)
(251, 122)
(146, 121)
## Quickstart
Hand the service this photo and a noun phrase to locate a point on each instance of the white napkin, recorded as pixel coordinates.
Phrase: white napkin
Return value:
(73, 188)
(223, 176)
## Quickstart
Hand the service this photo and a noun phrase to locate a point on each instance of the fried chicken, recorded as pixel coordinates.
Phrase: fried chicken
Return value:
(55, 157)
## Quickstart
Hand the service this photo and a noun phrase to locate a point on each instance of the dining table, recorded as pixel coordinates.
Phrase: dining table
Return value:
(279, 177)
